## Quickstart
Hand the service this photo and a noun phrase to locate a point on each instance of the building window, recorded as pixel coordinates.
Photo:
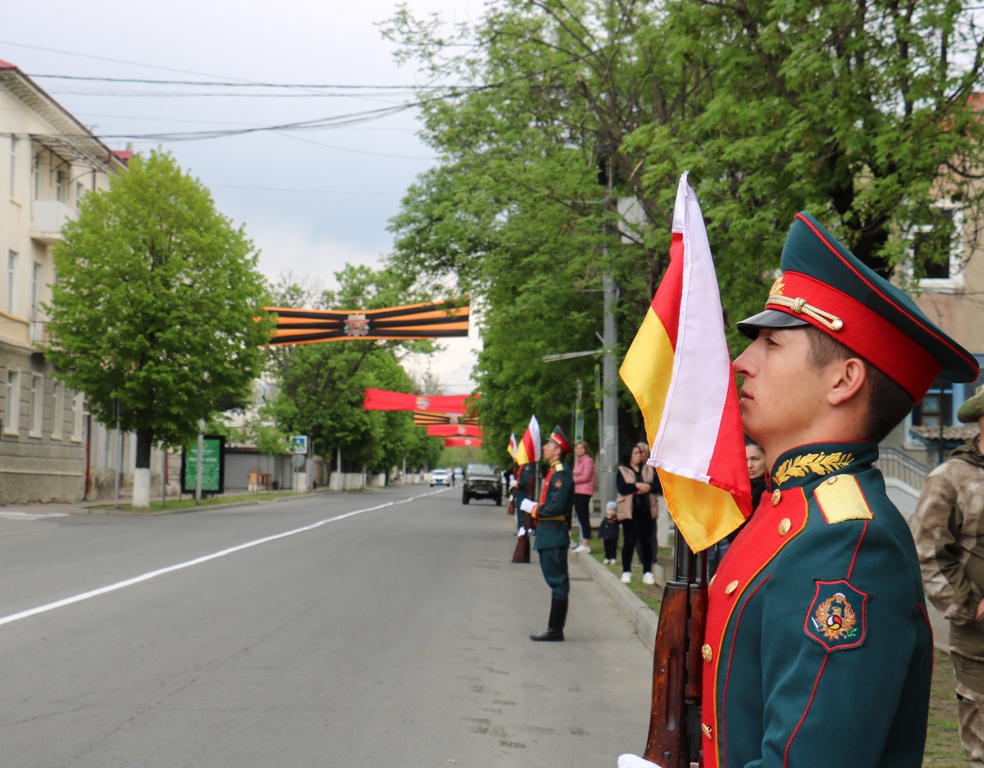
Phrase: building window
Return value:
(37, 273)
(936, 408)
(61, 185)
(13, 166)
(936, 250)
(79, 192)
(57, 409)
(37, 406)
(12, 421)
(78, 413)
(11, 281)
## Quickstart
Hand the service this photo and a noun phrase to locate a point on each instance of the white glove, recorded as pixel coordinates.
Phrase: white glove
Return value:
(513, 483)
(521, 532)
(527, 505)
(634, 761)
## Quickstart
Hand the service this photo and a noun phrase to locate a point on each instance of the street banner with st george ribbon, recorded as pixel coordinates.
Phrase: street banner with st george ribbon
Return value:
(679, 370)
(529, 447)
(429, 320)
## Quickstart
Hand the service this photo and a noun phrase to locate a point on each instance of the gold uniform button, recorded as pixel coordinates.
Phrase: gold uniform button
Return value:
(706, 729)
(832, 480)
(776, 496)
(707, 653)
(731, 587)
(784, 526)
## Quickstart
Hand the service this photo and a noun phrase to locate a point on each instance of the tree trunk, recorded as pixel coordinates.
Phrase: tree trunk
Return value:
(141, 477)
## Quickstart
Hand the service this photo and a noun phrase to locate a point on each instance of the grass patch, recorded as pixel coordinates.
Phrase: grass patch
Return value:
(173, 505)
(943, 748)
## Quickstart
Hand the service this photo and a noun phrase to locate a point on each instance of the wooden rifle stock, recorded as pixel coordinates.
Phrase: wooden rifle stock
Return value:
(674, 739)
(522, 552)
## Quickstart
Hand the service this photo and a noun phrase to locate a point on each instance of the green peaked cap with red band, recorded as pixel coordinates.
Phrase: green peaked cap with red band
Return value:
(560, 438)
(825, 285)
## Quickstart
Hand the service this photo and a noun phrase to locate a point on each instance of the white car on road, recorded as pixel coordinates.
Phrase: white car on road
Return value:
(440, 477)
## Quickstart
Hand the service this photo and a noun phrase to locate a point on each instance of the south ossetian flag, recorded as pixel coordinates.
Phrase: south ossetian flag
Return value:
(529, 447)
(679, 370)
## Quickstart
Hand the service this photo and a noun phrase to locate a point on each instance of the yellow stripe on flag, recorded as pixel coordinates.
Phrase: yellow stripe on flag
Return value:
(647, 369)
(703, 513)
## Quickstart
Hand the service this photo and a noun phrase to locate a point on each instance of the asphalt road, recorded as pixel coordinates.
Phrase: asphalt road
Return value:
(378, 629)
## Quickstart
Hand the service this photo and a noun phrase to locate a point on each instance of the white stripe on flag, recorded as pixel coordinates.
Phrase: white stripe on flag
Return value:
(698, 390)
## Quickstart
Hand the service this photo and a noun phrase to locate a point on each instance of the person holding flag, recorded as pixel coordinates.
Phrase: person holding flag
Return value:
(551, 513)
(816, 635)
(527, 455)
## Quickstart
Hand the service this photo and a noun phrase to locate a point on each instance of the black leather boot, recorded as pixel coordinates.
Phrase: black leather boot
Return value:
(555, 627)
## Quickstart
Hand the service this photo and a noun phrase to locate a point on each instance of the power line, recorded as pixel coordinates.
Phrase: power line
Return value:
(247, 84)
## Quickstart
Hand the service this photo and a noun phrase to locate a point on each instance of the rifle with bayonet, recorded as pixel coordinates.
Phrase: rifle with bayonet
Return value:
(674, 723)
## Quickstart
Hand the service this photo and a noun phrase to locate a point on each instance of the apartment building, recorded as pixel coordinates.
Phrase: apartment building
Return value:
(952, 295)
(48, 162)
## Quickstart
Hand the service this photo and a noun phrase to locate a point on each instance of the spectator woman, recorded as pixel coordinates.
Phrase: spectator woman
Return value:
(637, 485)
(755, 458)
(584, 479)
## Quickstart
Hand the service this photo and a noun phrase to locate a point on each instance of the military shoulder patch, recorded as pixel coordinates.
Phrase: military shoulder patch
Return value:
(840, 498)
(836, 617)
(558, 483)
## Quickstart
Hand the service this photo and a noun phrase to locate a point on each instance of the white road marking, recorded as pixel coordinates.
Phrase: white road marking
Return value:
(13, 514)
(197, 561)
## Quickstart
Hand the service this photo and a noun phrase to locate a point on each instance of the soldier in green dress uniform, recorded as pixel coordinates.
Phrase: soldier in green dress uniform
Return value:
(818, 649)
(552, 534)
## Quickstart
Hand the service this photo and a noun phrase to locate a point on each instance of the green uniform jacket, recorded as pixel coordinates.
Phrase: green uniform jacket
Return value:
(556, 501)
(818, 648)
(523, 477)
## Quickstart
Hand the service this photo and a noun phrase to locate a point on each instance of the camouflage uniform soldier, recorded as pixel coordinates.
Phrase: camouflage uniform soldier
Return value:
(949, 531)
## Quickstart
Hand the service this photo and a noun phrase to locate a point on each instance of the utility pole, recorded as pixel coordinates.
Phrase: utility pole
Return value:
(608, 453)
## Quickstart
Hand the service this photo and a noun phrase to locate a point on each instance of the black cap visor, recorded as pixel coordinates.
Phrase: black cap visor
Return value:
(770, 318)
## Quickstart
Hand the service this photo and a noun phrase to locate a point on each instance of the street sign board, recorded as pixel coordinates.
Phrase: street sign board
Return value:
(299, 444)
(213, 466)
(297, 460)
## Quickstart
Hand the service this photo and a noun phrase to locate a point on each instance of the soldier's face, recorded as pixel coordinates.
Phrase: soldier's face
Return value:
(550, 451)
(782, 391)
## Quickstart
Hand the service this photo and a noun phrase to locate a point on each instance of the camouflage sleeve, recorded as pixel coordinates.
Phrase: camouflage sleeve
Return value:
(937, 529)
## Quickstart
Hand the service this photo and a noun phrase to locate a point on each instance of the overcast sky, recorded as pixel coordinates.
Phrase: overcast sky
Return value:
(311, 200)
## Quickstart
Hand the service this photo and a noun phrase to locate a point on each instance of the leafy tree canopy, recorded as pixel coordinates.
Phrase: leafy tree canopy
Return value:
(156, 305)
(862, 113)
(322, 385)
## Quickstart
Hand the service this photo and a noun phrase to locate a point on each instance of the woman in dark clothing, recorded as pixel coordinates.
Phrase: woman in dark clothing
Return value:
(755, 457)
(636, 484)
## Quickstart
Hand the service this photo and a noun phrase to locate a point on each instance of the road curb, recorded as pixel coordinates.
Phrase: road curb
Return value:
(643, 618)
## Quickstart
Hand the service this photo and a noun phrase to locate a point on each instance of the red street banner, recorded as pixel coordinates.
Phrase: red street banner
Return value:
(462, 442)
(454, 430)
(384, 400)
(432, 320)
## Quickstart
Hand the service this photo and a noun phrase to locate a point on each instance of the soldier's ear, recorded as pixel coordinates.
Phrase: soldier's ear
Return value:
(847, 378)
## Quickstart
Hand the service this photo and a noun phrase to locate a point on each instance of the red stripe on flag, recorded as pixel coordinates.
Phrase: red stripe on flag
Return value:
(669, 294)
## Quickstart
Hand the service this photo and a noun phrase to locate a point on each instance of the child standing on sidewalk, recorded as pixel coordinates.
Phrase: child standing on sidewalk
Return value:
(608, 532)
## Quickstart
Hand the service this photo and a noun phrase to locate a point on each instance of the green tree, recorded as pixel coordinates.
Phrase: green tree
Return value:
(860, 112)
(321, 386)
(156, 305)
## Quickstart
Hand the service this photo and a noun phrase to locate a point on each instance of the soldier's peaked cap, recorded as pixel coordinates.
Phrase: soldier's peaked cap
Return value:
(560, 438)
(825, 285)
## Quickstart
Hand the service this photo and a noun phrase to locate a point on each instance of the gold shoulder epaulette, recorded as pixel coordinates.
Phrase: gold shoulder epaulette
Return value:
(840, 498)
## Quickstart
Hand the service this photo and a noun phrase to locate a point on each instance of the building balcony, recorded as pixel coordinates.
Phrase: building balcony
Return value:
(47, 219)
